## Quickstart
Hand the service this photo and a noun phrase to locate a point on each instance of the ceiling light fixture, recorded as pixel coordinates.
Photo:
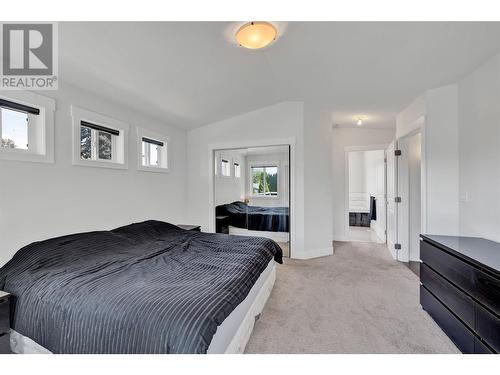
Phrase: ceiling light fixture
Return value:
(255, 35)
(360, 121)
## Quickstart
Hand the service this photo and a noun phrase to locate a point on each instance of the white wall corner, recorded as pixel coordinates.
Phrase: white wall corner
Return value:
(316, 253)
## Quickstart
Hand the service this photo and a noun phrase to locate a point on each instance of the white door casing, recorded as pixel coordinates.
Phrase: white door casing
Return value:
(391, 191)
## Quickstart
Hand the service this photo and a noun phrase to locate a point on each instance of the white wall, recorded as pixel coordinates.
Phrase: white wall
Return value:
(357, 172)
(318, 217)
(441, 160)
(340, 139)
(263, 126)
(230, 189)
(283, 180)
(436, 114)
(39, 201)
(479, 151)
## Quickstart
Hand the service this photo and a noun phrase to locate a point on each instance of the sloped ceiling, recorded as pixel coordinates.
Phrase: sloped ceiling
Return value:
(190, 74)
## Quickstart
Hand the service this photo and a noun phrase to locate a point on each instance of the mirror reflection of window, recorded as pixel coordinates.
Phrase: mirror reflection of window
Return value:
(264, 180)
(237, 170)
(225, 168)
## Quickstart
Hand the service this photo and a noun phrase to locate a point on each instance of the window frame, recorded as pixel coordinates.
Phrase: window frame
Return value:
(163, 152)
(266, 164)
(40, 129)
(119, 143)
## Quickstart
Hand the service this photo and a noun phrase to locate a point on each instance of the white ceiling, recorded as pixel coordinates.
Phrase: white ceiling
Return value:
(191, 73)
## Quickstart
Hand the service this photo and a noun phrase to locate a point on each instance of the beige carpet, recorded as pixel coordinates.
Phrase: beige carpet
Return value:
(357, 301)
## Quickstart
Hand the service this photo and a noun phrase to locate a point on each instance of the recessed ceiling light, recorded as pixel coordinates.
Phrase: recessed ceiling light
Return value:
(255, 35)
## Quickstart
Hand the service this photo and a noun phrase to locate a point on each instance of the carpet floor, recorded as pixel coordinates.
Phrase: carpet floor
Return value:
(358, 300)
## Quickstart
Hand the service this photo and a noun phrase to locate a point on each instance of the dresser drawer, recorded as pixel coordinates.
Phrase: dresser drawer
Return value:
(456, 300)
(4, 343)
(481, 348)
(455, 270)
(4, 316)
(487, 290)
(452, 326)
(488, 327)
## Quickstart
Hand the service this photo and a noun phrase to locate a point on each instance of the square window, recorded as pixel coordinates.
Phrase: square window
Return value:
(264, 180)
(153, 155)
(26, 127)
(96, 142)
(14, 129)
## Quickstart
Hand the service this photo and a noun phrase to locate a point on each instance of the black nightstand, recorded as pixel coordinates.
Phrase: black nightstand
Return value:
(4, 323)
(193, 228)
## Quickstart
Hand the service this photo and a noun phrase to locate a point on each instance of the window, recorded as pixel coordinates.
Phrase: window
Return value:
(264, 180)
(225, 168)
(96, 142)
(99, 141)
(26, 130)
(152, 151)
(14, 129)
(237, 170)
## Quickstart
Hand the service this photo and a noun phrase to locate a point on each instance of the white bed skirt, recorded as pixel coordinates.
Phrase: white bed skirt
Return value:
(231, 337)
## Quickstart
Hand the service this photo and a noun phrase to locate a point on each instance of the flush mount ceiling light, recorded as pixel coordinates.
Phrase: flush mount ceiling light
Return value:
(359, 122)
(255, 35)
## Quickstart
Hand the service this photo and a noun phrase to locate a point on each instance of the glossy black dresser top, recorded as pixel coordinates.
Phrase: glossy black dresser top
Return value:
(484, 253)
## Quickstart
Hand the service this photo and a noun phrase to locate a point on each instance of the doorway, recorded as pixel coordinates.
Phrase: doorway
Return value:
(365, 195)
(252, 193)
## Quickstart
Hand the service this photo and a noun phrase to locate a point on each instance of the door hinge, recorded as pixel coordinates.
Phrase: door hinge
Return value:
(385, 232)
(397, 199)
(397, 246)
(397, 152)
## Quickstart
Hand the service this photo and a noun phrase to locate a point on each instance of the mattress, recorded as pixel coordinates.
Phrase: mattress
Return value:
(144, 288)
(231, 336)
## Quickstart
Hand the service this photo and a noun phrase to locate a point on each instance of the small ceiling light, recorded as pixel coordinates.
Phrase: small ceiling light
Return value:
(360, 121)
(255, 35)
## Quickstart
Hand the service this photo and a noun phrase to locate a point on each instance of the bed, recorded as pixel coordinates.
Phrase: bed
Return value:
(149, 287)
(241, 215)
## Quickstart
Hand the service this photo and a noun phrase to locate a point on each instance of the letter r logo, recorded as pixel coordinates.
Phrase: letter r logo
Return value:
(27, 49)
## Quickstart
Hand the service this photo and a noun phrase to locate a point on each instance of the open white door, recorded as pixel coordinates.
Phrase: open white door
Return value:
(392, 214)
(403, 208)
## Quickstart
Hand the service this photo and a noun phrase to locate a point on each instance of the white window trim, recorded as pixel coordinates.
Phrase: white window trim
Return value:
(120, 143)
(250, 183)
(43, 152)
(165, 156)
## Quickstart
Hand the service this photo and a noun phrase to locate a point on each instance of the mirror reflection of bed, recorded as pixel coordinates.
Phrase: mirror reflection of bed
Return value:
(252, 189)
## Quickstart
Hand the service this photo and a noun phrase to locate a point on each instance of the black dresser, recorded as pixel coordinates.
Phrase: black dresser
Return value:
(460, 289)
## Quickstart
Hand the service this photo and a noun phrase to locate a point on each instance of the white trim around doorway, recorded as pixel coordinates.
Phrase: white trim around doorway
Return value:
(248, 144)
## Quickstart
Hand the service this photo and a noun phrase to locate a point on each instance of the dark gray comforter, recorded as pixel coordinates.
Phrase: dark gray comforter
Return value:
(143, 288)
(241, 215)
